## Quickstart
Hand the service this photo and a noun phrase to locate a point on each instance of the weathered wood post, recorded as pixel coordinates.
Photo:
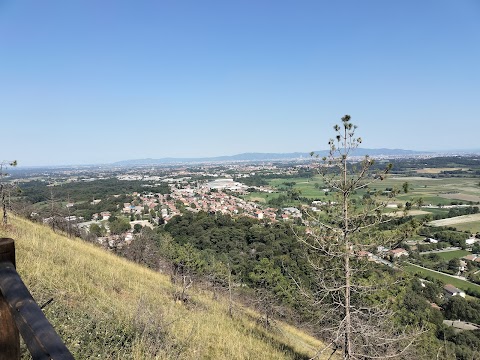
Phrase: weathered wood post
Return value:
(9, 337)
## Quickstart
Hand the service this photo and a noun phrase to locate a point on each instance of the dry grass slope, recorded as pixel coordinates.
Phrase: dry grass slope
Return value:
(106, 307)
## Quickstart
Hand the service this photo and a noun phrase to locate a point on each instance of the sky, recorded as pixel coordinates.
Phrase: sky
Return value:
(91, 82)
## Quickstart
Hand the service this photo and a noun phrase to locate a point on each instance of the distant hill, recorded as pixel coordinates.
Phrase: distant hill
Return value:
(106, 307)
(264, 157)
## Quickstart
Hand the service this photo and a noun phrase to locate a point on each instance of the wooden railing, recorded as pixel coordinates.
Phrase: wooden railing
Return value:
(19, 313)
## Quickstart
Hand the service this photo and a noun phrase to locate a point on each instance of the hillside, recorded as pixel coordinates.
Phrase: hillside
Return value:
(109, 308)
(252, 157)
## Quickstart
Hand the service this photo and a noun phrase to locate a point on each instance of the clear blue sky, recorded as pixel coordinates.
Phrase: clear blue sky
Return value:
(101, 81)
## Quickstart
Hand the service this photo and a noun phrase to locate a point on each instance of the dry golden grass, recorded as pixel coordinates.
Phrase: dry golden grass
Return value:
(436, 170)
(106, 307)
(409, 212)
(456, 220)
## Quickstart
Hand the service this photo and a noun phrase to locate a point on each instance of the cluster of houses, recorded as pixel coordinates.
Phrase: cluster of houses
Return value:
(203, 198)
(214, 196)
(209, 197)
(383, 253)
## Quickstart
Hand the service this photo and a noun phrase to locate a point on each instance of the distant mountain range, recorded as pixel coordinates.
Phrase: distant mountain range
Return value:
(265, 157)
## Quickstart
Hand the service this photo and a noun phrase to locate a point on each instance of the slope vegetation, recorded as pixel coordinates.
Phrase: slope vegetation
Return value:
(106, 307)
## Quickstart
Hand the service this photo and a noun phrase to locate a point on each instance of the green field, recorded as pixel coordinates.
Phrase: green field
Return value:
(444, 191)
(436, 211)
(472, 227)
(461, 284)
(437, 191)
(305, 185)
(449, 255)
(260, 197)
(308, 187)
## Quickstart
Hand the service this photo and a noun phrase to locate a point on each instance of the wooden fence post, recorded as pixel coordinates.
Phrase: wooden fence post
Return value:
(9, 337)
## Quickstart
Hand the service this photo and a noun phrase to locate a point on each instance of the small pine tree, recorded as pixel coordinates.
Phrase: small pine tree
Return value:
(5, 188)
(351, 297)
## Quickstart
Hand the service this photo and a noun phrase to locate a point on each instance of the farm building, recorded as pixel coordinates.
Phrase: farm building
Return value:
(451, 291)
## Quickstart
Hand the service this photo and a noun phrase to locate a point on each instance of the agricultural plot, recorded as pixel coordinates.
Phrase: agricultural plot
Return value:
(437, 211)
(260, 197)
(460, 196)
(310, 188)
(437, 170)
(471, 227)
(300, 180)
(456, 220)
(411, 213)
(436, 191)
(455, 254)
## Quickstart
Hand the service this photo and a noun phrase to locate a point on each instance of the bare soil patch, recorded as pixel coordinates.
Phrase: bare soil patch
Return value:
(456, 220)
(435, 170)
(412, 178)
(411, 212)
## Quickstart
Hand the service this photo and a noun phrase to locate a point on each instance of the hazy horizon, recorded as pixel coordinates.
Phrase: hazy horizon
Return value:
(40, 165)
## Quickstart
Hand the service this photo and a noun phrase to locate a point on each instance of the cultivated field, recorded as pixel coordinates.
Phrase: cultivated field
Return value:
(442, 191)
(260, 197)
(434, 191)
(455, 254)
(436, 170)
(412, 178)
(410, 212)
(471, 227)
(460, 196)
(304, 185)
(456, 220)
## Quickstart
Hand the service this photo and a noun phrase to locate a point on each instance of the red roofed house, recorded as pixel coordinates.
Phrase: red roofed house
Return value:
(470, 257)
(396, 253)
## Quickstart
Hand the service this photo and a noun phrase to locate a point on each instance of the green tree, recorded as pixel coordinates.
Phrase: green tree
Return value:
(271, 288)
(476, 248)
(137, 228)
(119, 225)
(97, 230)
(408, 205)
(453, 265)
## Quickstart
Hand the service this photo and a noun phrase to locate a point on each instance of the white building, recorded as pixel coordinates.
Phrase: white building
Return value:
(471, 241)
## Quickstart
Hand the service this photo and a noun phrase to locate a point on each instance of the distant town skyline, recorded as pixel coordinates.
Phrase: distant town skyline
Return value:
(86, 82)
